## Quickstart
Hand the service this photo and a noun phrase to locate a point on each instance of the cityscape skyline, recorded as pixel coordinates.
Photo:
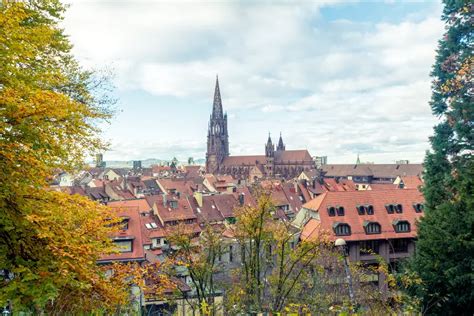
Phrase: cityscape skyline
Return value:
(333, 80)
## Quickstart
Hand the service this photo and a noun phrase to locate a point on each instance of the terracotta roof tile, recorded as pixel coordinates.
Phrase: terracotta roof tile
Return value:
(244, 160)
(133, 232)
(293, 155)
(411, 182)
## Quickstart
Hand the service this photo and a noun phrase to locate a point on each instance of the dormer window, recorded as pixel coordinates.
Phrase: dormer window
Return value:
(372, 228)
(399, 208)
(174, 204)
(418, 207)
(369, 209)
(340, 210)
(124, 223)
(401, 226)
(390, 208)
(331, 211)
(342, 229)
(360, 209)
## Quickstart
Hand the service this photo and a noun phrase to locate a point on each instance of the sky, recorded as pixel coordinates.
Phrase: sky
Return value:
(339, 78)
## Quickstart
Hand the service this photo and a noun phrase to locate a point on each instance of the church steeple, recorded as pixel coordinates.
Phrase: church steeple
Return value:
(217, 105)
(281, 145)
(269, 147)
(217, 134)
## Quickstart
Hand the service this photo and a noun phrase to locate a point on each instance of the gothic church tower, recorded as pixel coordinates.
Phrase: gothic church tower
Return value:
(217, 135)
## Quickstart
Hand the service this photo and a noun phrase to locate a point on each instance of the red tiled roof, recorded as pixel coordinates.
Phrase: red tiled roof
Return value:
(249, 200)
(225, 203)
(383, 186)
(311, 230)
(208, 212)
(141, 204)
(304, 192)
(293, 155)
(133, 232)
(244, 160)
(182, 186)
(167, 214)
(375, 170)
(350, 199)
(411, 182)
(149, 233)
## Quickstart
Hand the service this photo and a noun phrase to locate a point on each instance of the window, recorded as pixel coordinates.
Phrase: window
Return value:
(341, 229)
(174, 204)
(390, 208)
(368, 247)
(360, 209)
(370, 209)
(124, 223)
(399, 208)
(372, 228)
(340, 211)
(399, 245)
(332, 211)
(189, 221)
(124, 245)
(418, 207)
(231, 255)
(401, 226)
(153, 225)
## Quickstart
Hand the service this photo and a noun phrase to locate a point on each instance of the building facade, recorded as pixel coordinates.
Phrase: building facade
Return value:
(276, 162)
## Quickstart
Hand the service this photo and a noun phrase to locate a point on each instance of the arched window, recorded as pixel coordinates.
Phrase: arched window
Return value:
(360, 209)
(390, 208)
(418, 207)
(341, 229)
(401, 226)
(340, 210)
(372, 228)
(399, 208)
(369, 209)
(331, 211)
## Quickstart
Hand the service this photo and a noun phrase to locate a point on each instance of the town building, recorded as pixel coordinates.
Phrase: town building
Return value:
(373, 223)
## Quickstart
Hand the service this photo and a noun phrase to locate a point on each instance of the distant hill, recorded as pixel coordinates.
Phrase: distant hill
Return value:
(147, 162)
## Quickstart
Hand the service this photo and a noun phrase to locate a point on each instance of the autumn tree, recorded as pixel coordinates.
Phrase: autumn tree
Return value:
(199, 257)
(444, 259)
(273, 262)
(49, 109)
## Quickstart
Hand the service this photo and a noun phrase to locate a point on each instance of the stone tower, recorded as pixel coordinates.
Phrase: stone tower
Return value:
(217, 135)
(281, 145)
(269, 156)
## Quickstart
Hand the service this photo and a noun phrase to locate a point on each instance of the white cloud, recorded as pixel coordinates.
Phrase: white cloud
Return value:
(334, 87)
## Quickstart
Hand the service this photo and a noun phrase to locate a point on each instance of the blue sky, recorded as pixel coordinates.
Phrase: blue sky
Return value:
(337, 78)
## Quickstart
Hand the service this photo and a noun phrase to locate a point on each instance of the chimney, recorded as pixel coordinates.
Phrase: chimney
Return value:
(124, 183)
(241, 199)
(164, 199)
(198, 197)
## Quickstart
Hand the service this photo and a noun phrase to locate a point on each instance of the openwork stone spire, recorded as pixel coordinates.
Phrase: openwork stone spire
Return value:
(217, 105)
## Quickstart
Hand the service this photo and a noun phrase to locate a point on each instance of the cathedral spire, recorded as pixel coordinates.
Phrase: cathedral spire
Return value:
(217, 105)
(281, 145)
(269, 147)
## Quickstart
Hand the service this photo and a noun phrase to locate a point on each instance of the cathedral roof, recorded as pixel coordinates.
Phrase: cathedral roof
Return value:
(292, 155)
(244, 160)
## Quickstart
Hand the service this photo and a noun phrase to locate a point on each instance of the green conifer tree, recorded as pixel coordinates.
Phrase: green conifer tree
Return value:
(445, 247)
